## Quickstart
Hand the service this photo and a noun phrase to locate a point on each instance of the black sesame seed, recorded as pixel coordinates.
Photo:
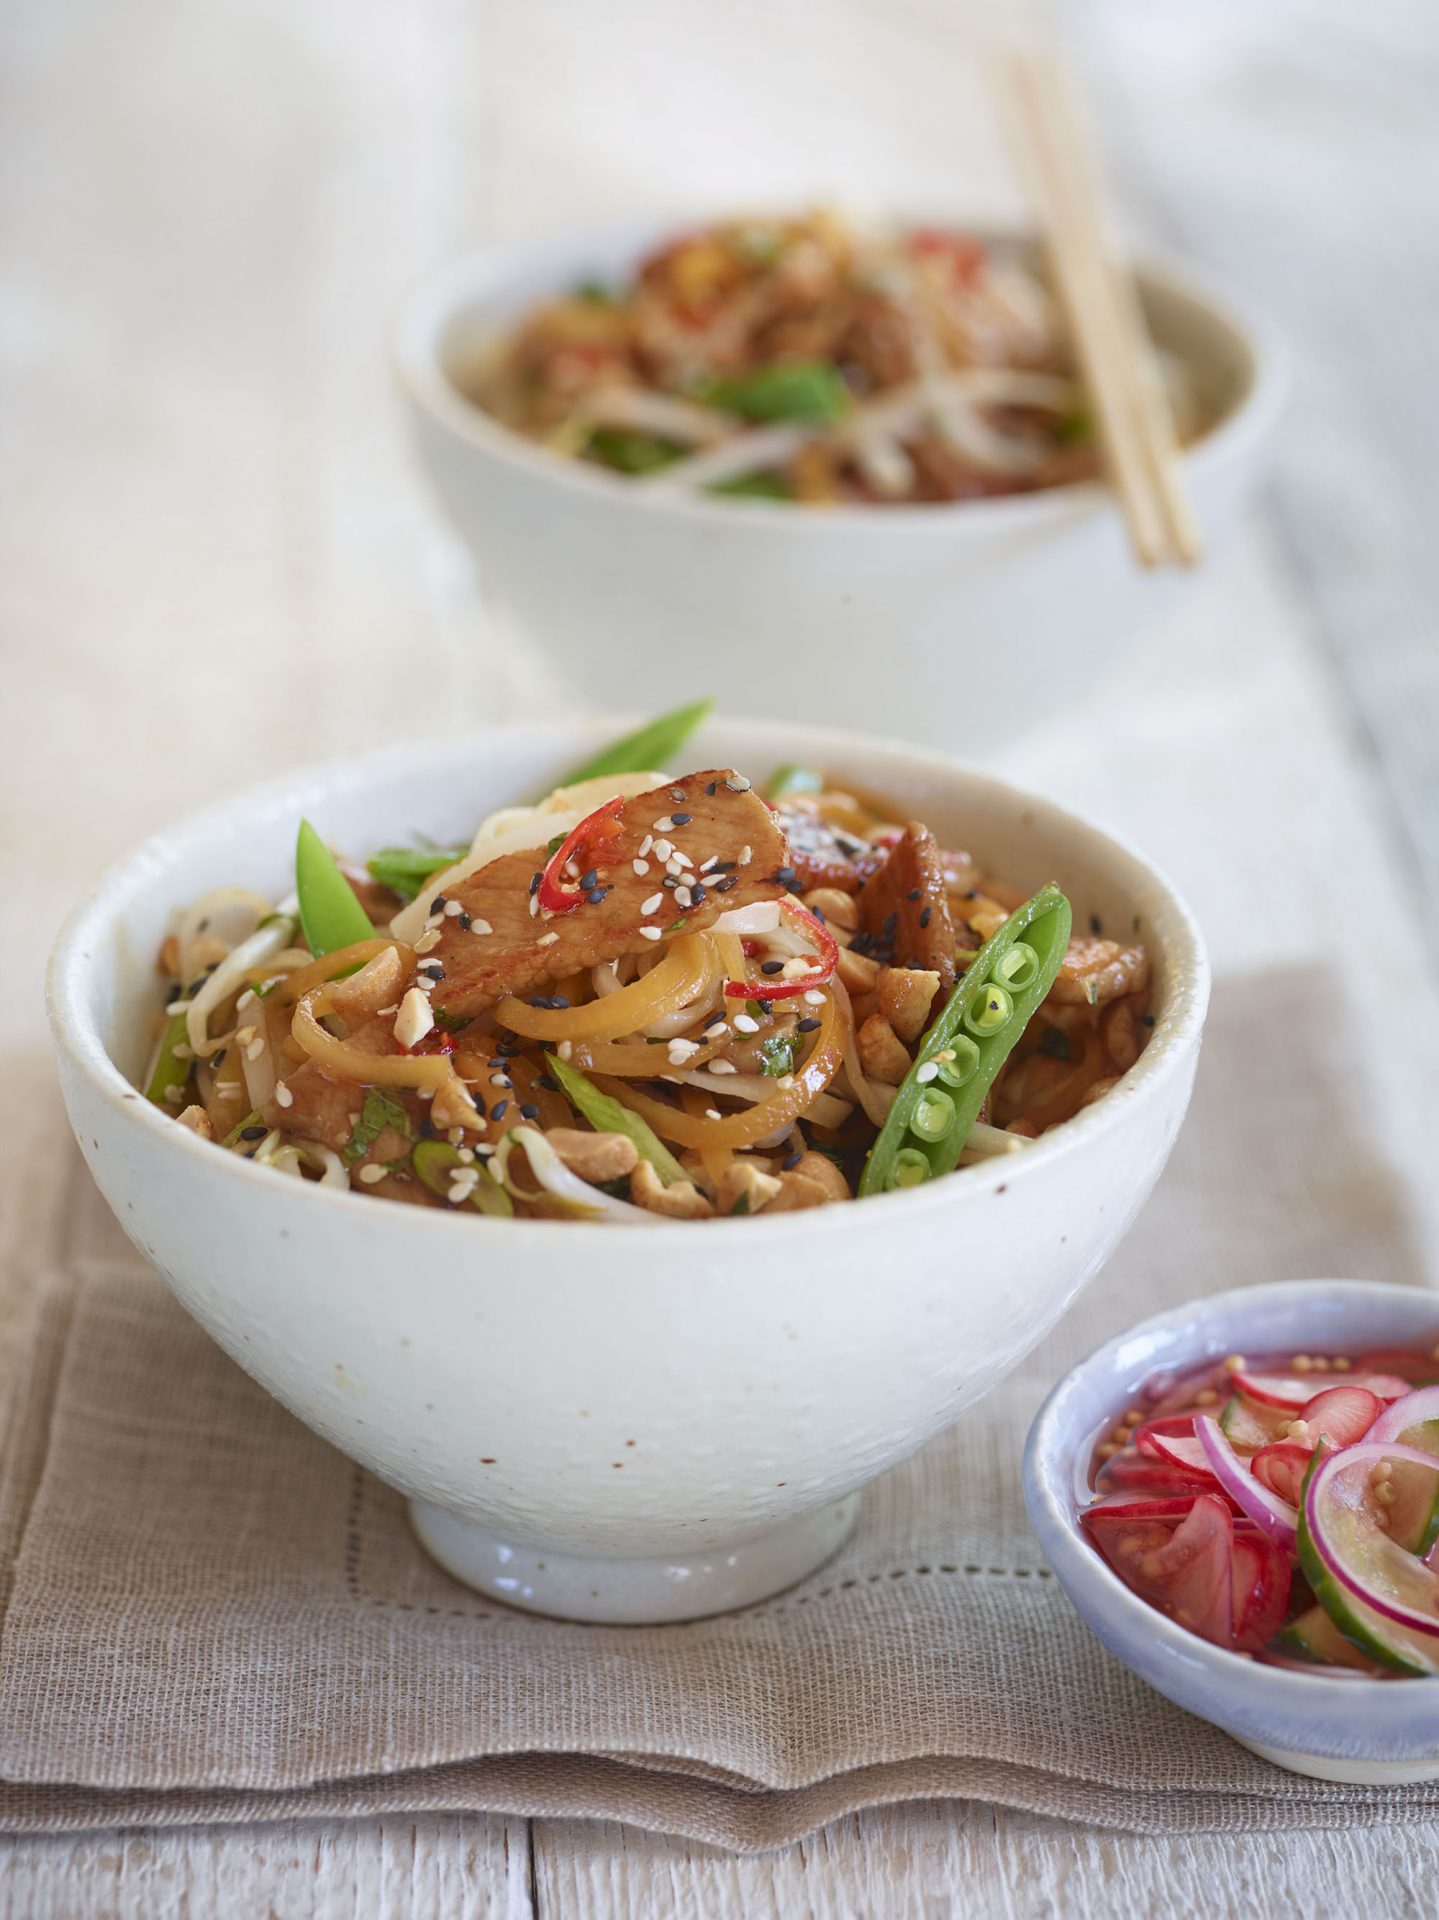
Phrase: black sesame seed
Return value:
(914, 893)
(535, 879)
(784, 875)
(529, 1111)
(725, 866)
(216, 1058)
(710, 789)
(1147, 1019)
(437, 905)
(434, 971)
(723, 886)
(891, 921)
(924, 917)
(558, 1002)
(670, 881)
(971, 893)
(1096, 925)
(678, 793)
(697, 896)
(587, 880)
(808, 1026)
(497, 1112)
(819, 915)
(596, 894)
(789, 1165)
(681, 819)
(765, 1006)
(253, 1133)
(465, 921)
(536, 1000)
(772, 966)
(428, 1129)
(550, 1086)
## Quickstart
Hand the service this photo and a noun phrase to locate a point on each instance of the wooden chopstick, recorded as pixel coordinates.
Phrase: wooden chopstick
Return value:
(1101, 302)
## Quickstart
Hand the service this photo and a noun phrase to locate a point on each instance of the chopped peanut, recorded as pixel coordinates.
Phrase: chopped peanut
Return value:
(881, 1052)
(198, 1121)
(170, 956)
(742, 1188)
(596, 1157)
(904, 996)
(822, 1170)
(796, 1192)
(859, 974)
(681, 1201)
(839, 909)
(452, 1106)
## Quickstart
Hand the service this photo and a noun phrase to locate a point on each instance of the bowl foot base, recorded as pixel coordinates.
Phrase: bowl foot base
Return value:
(1355, 1773)
(632, 1592)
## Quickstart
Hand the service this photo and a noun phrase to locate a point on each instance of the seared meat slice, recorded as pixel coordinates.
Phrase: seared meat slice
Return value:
(686, 851)
(822, 854)
(904, 909)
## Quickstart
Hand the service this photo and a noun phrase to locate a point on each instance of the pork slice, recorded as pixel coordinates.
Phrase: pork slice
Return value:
(904, 909)
(822, 854)
(723, 828)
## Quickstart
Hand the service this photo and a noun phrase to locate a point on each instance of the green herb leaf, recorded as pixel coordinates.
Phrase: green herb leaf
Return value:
(810, 391)
(624, 451)
(647, 749)
(435, 1162)
(378, 1112)
(596, 292)
(232, 1138)
(404, 870)
(330, 913)
(778, 1054)
(741, 1205)
(607, 1115)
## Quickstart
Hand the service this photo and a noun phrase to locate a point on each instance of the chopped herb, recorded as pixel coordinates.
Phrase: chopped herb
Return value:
(404, 870)
(741, 1205)
(778, 1055)
(378, 1112)
(626, 452)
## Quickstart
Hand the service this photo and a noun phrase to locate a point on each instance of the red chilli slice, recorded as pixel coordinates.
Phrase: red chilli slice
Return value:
(596, 826)
(777, 989)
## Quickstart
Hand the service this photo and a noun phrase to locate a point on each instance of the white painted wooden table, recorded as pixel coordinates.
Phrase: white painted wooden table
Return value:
(214, 558)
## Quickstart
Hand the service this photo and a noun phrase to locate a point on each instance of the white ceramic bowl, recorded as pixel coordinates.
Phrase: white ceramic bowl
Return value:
(1334, 1726)
(928, 617)
(616, 1423)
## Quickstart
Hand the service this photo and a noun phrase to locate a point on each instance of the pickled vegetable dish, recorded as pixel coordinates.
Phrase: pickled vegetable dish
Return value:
(644, 996)
(806, 360)
(1284, 1506)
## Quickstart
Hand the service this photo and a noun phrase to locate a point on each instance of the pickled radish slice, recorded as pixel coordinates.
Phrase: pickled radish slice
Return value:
(1276, 1519)
(1341, 1414)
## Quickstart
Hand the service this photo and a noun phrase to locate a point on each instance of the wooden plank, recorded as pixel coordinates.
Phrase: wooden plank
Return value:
(470, 1868)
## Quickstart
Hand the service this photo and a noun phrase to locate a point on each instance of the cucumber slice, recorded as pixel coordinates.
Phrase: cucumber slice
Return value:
(1413, 1422)
(1314, 1636)
(1387, 1641)
(1247, 1427)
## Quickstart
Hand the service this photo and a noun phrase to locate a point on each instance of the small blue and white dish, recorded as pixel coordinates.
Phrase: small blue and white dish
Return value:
(1340, 1726)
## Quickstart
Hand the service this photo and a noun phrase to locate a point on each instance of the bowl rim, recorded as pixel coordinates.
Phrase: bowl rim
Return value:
(80, 947)
(432, 306)
(1048, 1466)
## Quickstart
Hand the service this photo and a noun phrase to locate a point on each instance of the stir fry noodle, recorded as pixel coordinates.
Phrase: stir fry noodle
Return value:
(647, 996)
(805, 359)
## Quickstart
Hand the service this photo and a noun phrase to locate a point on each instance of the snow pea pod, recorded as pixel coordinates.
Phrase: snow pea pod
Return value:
(648, 748)
(330, 913)
(940, 1098)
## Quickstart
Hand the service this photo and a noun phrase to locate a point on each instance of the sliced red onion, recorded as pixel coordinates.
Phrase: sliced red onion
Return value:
(1274, 1517)
(1401, 1416)
(1360, 1556)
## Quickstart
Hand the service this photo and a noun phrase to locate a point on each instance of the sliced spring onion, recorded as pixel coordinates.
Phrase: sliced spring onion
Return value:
(437, 1162)
(608, 1115)
(653, 745)
(404, 870)
(168, 1072)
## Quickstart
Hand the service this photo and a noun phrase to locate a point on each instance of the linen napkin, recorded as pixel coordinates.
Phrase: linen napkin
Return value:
(210, 1615)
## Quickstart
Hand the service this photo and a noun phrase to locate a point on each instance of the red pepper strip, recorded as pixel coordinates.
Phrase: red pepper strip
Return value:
(553, 897)
(825, 965)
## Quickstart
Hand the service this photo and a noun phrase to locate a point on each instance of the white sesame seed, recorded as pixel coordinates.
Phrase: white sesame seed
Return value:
(641, 867)
(929, 1071)
(680, 1050)
(713, 1113)
(785, 1080)
(746, 854)
(484, 1146)
(653, 904)
(663, 849)
(737, 783)
(715, 1029)
(174, 1096)
(283, 1094)
(712, 861)
(246, 999)
(646, 844)
(244, 1035)
(534, 905)
(548, 940)
(454, 908)
(182, 1052)
(723, 1066)
(683, 897)
(255, 1048)
(432, 921)
(814, 997)
(372, 1176)
(663, 824)
(481, 926)
(415, 1018)
(501, 1080)
(455, 1136)
(649, 933)
(745, 1024)
(680, 859)
(466, 1153)
(427, 942)
(565, 1049)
